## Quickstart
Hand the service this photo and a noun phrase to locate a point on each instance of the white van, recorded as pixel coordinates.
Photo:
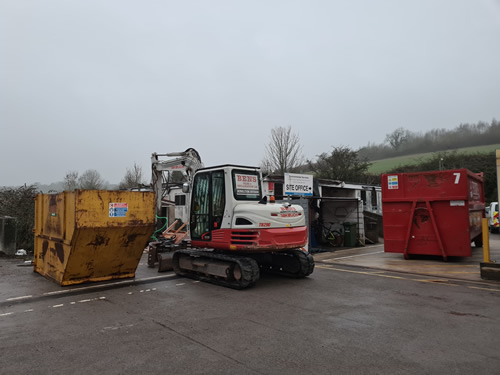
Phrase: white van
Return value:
(493, 223)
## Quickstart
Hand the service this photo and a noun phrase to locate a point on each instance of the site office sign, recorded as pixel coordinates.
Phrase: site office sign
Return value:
(298, 184)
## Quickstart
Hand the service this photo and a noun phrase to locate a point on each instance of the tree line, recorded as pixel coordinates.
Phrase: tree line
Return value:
(284, 154)
(19, 202)
(345, 164)
(92, 180)
(405, 142)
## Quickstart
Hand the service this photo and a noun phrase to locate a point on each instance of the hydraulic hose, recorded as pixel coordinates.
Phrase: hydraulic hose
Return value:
(153, 236)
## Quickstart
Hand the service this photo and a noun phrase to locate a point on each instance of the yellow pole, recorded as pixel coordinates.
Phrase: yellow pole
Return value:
(486, 241)
(497, 154)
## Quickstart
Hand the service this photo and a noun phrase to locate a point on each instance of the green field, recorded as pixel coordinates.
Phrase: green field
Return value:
(386, 165)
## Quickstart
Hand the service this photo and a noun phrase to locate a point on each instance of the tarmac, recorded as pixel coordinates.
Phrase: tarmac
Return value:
(18, 281)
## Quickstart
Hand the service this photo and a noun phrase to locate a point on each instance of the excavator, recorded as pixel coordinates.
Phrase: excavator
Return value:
(236, 231)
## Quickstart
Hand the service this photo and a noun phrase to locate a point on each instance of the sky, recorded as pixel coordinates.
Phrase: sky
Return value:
(102, 84)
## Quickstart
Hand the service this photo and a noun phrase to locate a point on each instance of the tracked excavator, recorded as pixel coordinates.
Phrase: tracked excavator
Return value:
(236, 232)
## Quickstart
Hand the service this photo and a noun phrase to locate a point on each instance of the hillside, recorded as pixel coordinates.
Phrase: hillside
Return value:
(386, 165)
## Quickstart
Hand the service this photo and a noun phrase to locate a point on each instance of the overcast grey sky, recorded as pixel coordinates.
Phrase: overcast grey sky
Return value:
(101, 84)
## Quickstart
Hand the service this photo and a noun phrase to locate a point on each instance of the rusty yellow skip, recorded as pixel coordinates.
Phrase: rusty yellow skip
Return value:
(91, 235)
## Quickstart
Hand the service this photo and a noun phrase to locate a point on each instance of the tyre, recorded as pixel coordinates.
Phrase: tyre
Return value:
(335, 239)
(478, 241)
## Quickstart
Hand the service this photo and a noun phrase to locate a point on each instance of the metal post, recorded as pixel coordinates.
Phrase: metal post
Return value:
(498, 173)
(486, 241)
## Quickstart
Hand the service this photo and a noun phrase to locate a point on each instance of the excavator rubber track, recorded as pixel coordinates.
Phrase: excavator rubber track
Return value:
(237, 272)
(291, 263)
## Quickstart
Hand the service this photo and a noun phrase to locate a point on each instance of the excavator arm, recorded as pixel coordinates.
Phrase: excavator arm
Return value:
(186, 162)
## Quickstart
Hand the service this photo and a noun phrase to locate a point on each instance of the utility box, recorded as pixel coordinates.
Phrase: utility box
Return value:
(350, 234)
(8, 235)
(433, 213)
(91, 235)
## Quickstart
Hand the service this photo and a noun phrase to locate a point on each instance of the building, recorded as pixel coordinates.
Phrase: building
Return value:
(354, 210)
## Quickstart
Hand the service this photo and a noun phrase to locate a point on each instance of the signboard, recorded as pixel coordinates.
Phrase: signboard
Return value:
(298, 184)
(118, 209)
(246, 184)
(392, 182)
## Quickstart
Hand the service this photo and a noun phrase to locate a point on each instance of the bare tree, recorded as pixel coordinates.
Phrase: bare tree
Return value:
(91, 180)
(284, 152)
(132, 178)
(71, 181)
(397, 138)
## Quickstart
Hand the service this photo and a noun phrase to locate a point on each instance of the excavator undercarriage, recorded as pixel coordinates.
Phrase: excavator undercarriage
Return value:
(240, 271)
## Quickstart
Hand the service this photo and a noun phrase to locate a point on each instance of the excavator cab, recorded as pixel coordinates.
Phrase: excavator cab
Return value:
(216, 191)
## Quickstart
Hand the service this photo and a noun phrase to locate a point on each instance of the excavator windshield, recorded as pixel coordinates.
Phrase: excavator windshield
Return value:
(208, 203)
(246, 185)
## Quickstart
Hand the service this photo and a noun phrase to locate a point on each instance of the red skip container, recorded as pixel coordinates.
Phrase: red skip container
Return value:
(433, 213)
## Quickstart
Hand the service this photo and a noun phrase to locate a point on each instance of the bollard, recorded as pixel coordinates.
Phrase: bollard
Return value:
(489, 269)
(486, 241)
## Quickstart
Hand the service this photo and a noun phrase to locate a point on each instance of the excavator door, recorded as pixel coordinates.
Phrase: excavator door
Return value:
(208, 201)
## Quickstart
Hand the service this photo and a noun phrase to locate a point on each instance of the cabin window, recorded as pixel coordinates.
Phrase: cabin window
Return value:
(246, 185)
(180, 200)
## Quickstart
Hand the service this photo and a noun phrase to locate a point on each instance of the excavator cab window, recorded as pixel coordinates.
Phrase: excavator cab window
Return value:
(208, 204)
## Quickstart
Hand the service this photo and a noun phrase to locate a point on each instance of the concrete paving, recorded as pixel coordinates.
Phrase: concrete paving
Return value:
(373, 256)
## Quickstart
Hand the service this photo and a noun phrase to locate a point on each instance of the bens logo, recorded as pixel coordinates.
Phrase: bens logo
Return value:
(246, 178)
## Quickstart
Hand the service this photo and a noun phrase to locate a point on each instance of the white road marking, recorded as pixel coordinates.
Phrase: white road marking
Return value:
(351, 256)
(114, 328)
(61, 305)
(434, 281)
(18, 298)
(55, 292)
(488, 289)
(355, 249)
